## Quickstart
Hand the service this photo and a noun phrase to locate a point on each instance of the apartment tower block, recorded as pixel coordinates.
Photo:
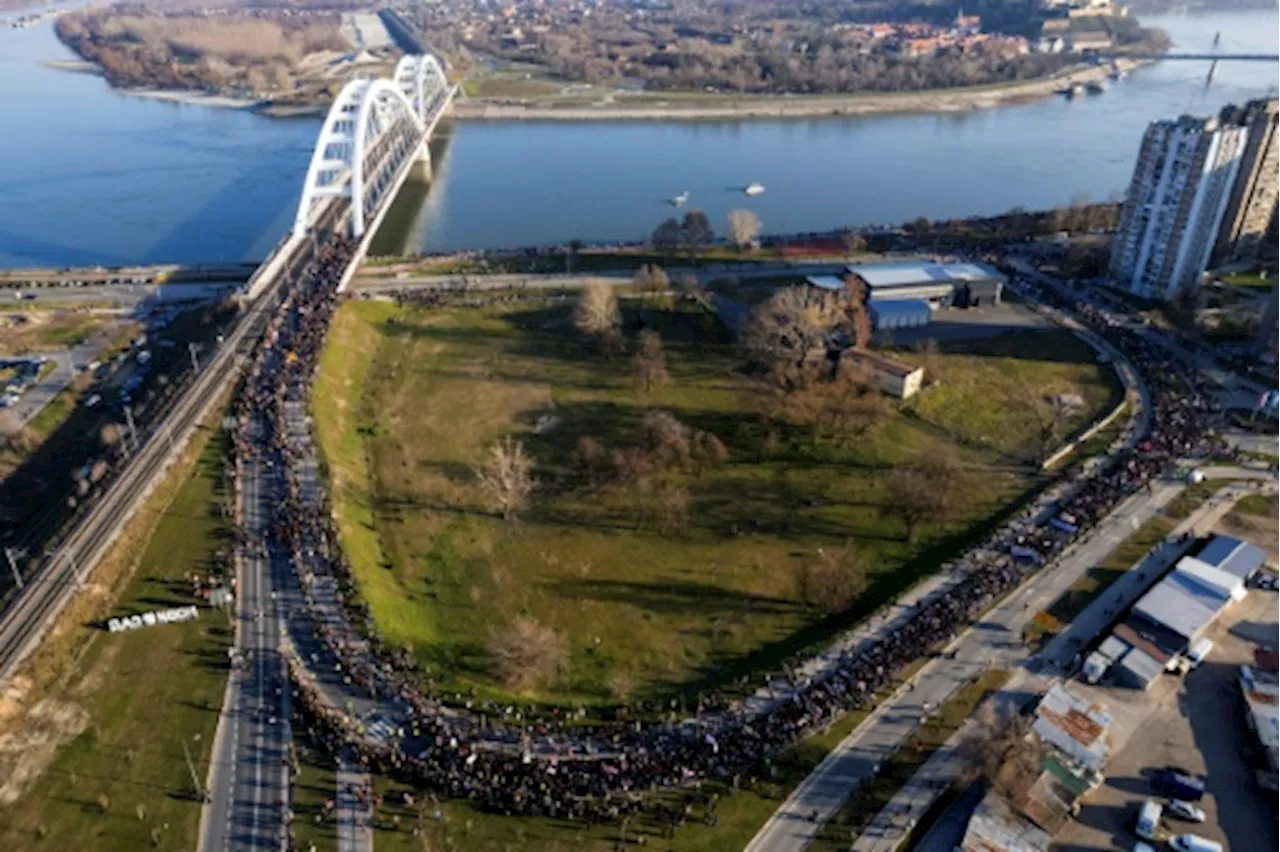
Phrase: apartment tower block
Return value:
(1174, 209)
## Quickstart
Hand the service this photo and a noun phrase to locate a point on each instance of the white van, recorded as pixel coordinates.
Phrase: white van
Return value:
(1199, 652)
(1148, 824)
(1194, 843)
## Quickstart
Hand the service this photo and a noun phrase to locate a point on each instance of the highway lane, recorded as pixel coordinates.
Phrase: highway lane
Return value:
(249, 775)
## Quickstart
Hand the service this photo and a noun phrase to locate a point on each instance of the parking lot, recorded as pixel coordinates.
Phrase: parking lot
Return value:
(1197, 723)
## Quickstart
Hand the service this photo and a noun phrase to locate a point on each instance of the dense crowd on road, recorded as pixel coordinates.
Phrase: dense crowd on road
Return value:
(508, 762)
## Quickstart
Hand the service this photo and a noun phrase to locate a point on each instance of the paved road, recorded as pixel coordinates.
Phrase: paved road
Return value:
(354, 811)
(894, 821)
(127, 295)
(994, 642)
(249, 774)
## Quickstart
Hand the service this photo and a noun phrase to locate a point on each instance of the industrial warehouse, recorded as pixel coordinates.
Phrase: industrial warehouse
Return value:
(905, 295)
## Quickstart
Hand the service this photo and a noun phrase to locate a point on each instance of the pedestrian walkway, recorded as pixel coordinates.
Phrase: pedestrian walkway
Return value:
(994, 642)
(354, 808)
(895, 821)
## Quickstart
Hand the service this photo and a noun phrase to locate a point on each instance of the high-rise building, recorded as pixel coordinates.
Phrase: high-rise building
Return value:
(1253, 198)
(1171, 216)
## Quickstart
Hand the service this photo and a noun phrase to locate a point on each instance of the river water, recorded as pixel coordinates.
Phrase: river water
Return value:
(93, 176)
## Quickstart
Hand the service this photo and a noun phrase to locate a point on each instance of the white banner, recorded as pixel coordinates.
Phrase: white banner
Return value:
(151, 619)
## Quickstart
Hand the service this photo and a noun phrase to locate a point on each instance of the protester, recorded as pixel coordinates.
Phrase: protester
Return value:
(509, 760)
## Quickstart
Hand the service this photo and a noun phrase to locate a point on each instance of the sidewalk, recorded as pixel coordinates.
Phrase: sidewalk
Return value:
(994, 642)
(893, 824)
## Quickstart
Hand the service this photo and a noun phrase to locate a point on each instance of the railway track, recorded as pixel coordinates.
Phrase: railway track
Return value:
(29, 615)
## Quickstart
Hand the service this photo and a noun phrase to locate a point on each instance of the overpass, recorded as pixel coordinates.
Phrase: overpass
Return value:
(372, 138)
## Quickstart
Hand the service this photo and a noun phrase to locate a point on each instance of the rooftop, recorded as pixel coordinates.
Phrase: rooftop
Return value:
(995, 827)
(921, 272)
(825, 282)
(1211, 578)
(1074, 726)
(1181, 605)
(1230, 554)
(1260, 694)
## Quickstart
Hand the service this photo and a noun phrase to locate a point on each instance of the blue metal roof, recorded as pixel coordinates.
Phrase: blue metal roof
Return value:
(900, 313)
(1232, 555)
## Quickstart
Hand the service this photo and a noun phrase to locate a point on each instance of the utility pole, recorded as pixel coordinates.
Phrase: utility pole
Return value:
(195, 362)
(13, 554)
(133, 431)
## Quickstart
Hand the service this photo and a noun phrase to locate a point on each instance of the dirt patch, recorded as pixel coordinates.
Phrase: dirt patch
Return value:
(27, 751)
(93, 679)
(1261, 530)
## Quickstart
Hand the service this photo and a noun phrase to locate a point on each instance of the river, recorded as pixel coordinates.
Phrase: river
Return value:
(93, 176)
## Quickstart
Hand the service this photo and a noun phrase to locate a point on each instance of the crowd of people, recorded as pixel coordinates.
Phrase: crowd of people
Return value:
(509, 763)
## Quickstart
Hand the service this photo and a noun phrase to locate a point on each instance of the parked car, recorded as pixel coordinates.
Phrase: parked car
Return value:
(1193, 843)
(1143, 846)
(1185, 810)
(1179, 785)
(92, 401)
(1147, 826)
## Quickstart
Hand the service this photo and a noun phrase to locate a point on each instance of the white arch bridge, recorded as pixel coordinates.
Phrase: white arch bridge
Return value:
(374, 131)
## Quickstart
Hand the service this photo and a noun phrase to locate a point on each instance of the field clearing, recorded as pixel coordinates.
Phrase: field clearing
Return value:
(98, 761)
(985, 388)
(39, 331)
(407, 402)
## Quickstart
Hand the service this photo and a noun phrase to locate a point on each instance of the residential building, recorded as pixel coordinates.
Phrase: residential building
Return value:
(1169, 223)
(1253, 197)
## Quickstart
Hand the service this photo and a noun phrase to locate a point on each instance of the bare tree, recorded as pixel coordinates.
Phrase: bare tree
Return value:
(526, 654)
(931, 359)
(650, 361)
(668, 236)
(833, 578)
(1049, 412)
(110, 434)
(667, 438)
(696, 230)
(858, 313)
(22, 441)
(708, 449)
(592, 459)
(854, 243)
(790, 327)
(688, 286)
(1002, 750)
(671, 504)
(930, 487)
(597, 314)
(744, 228)
(507, 477)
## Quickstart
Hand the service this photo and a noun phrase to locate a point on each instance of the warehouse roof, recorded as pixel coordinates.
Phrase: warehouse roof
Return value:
(1232, 555)
(996, 827)
(922, 272)
(825, 282)
(1074, 726)
(1182, 606)
(1141, 665)
(1211, 578)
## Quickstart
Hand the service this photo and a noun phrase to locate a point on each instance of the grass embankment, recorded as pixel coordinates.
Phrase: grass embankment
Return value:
(987, 390)
(871, 797)
(1250, 279)
(408, 401)
(92, 733)
(451, 825)
(1051, 621)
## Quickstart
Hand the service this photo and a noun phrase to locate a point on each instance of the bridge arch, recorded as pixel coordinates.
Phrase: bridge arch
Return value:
(421, 77)
(370, 129)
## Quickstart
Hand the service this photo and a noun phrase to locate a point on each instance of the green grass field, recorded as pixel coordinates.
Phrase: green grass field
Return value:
(408, 400)
(128, 704)
(983, 389)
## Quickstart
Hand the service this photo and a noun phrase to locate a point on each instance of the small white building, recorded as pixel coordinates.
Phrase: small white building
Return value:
(898, 380)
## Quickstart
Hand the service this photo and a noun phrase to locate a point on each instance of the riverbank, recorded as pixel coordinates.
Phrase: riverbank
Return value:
(651, 106)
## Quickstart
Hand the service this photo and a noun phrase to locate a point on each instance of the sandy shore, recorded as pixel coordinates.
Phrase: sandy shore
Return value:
(730, 107)
(189, 97)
